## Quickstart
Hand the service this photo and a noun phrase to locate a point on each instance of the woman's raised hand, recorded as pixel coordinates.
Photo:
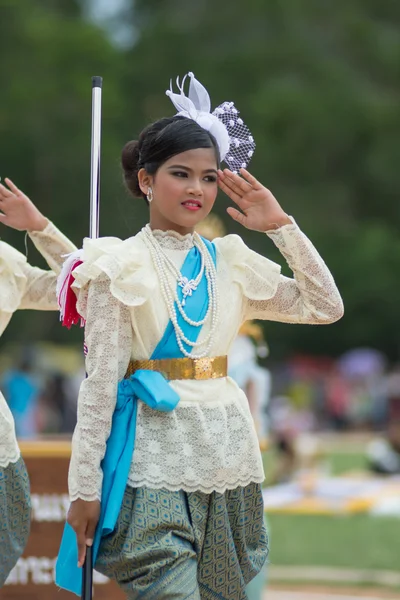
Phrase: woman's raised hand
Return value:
(259, 209)
(18, 211)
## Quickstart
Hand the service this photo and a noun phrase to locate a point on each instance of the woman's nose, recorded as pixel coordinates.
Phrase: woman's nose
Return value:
(195, 188)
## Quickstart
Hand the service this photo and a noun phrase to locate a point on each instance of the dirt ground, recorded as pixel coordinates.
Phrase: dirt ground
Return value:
(315, 592)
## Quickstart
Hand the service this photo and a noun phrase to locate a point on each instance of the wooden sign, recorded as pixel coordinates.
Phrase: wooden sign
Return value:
(33, 576)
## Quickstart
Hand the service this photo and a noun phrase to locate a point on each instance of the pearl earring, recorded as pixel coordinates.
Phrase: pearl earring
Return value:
(149, 195)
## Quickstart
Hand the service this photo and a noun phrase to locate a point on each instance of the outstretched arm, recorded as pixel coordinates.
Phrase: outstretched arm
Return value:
(19, 212)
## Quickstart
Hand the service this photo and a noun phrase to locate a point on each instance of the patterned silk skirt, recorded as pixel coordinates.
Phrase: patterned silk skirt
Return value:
(15, 513)
(186, 546)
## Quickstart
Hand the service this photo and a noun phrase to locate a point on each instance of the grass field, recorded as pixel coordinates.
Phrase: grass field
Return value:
(344, 462)
(339, 462)
(354, 541)
(348, 541)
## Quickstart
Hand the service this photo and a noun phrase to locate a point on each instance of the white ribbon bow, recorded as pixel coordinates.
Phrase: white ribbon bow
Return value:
(197, 106)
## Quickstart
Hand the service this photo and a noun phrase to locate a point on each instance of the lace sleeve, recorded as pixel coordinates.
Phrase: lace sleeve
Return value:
(52, 245)
(108, 338)
(311, 297)
(40, 289)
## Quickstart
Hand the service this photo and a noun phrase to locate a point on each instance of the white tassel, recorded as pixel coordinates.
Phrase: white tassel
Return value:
(62, 280)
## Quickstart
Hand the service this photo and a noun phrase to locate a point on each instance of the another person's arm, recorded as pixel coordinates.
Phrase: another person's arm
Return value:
(19, 212)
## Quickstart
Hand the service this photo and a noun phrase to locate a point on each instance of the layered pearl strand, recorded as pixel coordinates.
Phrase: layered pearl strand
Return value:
(163, 264)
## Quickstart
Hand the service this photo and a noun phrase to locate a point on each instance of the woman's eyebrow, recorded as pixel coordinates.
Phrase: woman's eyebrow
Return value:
(189, 169)
(180, 167)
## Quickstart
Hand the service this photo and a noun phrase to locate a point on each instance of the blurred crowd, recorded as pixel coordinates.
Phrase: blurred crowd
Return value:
(354, 393)
(290, 401)
(358, 392)
(42, 399)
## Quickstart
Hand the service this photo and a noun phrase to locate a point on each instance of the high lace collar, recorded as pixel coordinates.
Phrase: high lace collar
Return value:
(172, 240)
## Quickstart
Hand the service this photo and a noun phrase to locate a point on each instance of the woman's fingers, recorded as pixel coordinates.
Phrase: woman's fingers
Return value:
(236, 215)
(255, 184)
(84, 539)
(79, 525)
(90, 531)
(232, 184)
(83, 517)
(81, 540)
(238, 184)
(5, 192)
(12, 186)
(229, 192)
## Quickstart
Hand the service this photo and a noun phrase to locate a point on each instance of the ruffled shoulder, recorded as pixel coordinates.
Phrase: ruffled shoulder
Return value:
(257, 276)
(126, 263)
(12, 277)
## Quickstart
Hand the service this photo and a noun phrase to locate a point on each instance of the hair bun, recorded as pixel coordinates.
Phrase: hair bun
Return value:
(130, 166)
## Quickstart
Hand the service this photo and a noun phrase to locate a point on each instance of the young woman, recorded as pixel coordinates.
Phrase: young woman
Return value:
(21, 286)
(162, 309)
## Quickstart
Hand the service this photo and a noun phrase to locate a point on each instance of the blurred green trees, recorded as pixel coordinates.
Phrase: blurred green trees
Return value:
(317, 83)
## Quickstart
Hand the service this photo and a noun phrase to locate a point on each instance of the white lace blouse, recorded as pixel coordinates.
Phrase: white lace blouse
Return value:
(24, 286)
(209, 441)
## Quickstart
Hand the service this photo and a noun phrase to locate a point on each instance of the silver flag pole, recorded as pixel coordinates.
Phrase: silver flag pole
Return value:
(97, 83)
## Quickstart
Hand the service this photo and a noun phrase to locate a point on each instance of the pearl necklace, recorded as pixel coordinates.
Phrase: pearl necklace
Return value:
(164, 264)
(188, 286)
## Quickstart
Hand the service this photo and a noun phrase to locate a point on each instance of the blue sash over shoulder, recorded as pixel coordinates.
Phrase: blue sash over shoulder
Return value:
(152, 388)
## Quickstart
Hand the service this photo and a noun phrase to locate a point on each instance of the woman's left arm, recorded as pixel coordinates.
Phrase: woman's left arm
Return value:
(311, 296)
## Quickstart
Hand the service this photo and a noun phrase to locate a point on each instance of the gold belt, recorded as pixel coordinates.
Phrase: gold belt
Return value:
(183, 368)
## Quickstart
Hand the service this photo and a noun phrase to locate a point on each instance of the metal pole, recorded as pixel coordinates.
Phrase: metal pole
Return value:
(97, 83)
(87, 575)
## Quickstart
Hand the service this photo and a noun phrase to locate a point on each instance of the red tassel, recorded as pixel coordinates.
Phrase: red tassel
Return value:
(71, 315)
(66, 297)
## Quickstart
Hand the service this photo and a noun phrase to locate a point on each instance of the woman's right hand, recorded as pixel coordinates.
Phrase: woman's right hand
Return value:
(83, 517)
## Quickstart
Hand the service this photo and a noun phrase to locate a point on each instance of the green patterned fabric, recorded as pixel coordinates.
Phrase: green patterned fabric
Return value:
(186, 546)
(257, 586)
(15, 512)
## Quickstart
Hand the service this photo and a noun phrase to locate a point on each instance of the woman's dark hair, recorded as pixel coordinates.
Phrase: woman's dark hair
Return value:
(157, 143)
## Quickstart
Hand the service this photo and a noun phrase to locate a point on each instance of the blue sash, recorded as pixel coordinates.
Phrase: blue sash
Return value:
(153, 389)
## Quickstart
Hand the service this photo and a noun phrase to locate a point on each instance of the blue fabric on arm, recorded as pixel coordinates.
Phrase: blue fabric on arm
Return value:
(153, 389)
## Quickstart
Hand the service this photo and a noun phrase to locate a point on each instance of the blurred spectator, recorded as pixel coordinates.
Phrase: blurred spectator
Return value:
(253, 379)
(284, 439)
(21, 390)
(337, 399)
(57, 407)
(384, 453)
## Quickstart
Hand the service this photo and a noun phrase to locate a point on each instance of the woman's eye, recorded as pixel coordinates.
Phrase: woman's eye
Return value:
(179, 173)
(211, 178)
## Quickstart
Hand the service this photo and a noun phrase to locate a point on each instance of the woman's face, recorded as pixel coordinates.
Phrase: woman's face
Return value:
(184, 190)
